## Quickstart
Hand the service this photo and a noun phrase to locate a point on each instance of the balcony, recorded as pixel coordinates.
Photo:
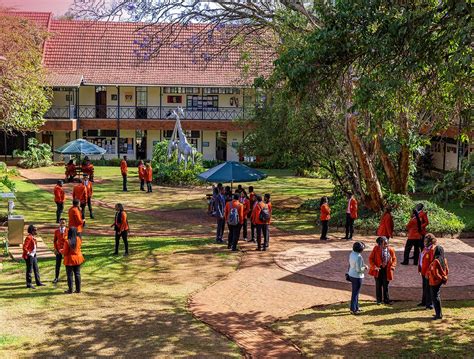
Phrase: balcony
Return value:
(143, 113)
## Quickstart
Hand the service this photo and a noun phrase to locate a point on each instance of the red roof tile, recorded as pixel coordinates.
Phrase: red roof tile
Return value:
(40, 18)
(63, 80)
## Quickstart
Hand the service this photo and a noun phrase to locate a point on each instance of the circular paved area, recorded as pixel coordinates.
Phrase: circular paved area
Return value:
(330, 263)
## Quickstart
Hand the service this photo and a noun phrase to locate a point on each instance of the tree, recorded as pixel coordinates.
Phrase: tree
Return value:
(23, 96)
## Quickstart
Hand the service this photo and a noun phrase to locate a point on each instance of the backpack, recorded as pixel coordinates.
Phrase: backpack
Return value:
(264, 214)
(233, 219)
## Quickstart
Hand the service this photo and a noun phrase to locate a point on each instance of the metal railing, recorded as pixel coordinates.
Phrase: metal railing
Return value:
(61, 112)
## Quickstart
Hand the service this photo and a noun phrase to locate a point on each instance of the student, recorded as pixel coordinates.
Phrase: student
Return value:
(75, 217)
(71, 171)
(267, 219)
(253, 201)
(219, 208)
(29, 255)
(426, 257)
(88, 168)
(121, 228)
(351, 215)
(234, 216)
(423, 218)
(60, 236)
(437, 276)
(88, 185)
(73, 259)
(124, 171)
(149, 177)
(80, 192)
(59, 199)
(246, 203)
(382, 263)
(324, 216)
(356, 271)
(141, 175)
(240, 189)
(414, 239)
(386, 224)
(261, 222)
(227, 194)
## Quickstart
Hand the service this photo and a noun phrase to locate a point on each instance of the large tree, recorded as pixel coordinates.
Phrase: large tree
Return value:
(23, 96)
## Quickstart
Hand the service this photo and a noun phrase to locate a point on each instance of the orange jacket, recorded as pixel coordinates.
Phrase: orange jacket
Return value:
(75, 218)
(141, 172)
(59, 239)
(325, 212)
(71, 170)
(252, 199)
(234, 204)
(73, 257)
(353, 208)
(88, 168)
(58, 194)
(386, 226)
(80, 192)
(426, 257)
(436, 273)
(28, 245)
(246, 203)
(256, 213)
(89, 189)
(123, 225)
(412, 227)
(123, 167)
(424, 221)
(375, 261)
(149, 174)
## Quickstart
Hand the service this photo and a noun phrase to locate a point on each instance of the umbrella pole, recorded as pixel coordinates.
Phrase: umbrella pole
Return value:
(231, 185)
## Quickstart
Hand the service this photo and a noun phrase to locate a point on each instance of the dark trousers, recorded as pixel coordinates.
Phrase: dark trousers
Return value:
(426, 297)
(436, 297)
(234, 231)
(148, 187)
(244, 229)
(262, 229)
(324, 229)
(89, 206)
(124, 236)
(32, 264)
(381, 286)
(83, 210)
(142, 184)
(220, 229)
(59, 259)
(76, 272)
(253, 226)
(418, 244)
(124, 183)
(59, 211)
(356, 286)
(349, 225)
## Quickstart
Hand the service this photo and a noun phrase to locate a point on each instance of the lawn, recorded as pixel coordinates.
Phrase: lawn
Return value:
(399, 331)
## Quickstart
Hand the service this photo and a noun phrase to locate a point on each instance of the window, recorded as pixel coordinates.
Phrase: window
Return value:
(451, 149)
(206, 103)
(100, 133)
(100, 89)
(174, 99)
(436, 147)
(182, 90)
(221, 90)
(167, 134)
(142, 96)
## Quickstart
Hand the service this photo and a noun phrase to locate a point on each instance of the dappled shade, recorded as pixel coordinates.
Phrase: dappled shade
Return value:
(80, 147)
(232, 172)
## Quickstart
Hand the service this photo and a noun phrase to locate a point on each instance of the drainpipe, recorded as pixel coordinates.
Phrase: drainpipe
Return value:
(118, 121)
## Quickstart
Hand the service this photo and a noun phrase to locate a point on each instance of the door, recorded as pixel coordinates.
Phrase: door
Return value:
(142, 103)
(221, 146)
(141, 144)
(100, 102)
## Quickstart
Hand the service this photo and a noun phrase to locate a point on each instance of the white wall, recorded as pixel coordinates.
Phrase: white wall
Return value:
(209, 153)
(152, 135)
(233, 136)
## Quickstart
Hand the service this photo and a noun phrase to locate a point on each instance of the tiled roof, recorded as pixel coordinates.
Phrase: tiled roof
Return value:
(63, 79)
(40, 18)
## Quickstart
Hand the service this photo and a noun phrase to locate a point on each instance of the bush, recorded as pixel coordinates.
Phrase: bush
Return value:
(441, 221)
(170, 172)
(211, 163)
(37, 155)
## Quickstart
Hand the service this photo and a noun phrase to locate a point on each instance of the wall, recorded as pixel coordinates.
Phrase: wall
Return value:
(233, 136)
(152, 135)
(209, 153)
(129, 134)
(87, 95)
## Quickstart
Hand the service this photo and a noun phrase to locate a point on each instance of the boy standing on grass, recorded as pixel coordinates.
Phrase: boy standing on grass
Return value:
(351, 215)
(60, 235)
(75, 217)
(88, 185)
(141, 175)
(29, 255)
(80, 192)
(149, 177)
(59, 199)
(124, 171)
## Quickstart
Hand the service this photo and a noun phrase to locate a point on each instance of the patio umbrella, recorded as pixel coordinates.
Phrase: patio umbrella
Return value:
(232, 172)
(80, 147)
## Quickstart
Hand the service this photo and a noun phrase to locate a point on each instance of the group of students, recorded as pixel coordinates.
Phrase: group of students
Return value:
(86, 167)
(351, 216)
(145, 175)
(237, 209)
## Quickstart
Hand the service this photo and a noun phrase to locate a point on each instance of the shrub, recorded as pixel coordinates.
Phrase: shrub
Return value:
(211, 163)
(37, 155)
(170, 172)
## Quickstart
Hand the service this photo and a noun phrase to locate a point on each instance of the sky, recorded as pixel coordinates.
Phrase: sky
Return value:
(58, 7)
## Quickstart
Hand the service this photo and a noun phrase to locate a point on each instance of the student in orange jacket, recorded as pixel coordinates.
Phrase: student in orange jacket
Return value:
(426, 257)
(73, 259)
(148, 178)
(437, 276)
(75, 217)
(71, 171)
(59, 199)
(423, 218)
(382, 262)
(88, 168)
(262, 223)
(29, 255)
(246, 203)
(121, 228)
(80, 193)
(141, 175)
(324, 217)
(386, 224)
(253, 201)
(124, 171)
(234, 216)
(60, 236)
(414, 239)
(351, 215)
(88, 185)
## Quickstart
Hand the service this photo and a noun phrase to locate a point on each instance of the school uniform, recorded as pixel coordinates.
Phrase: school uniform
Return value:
(437, 276)
(246, 203)
(253, 201)
(262, 227)
(424, 222)
(219, 206)
(351, 216)
(75, 219)
(121, 230)
(59, 197)
(71, 172)
(73, 259)
(80, 193)
(90, 191)
(325, 216)
(88, 169)
(386, 226)
(149, 179)
(414, 240)
(124, 171)
(141, 176)
(29, 255)
(426, 257)
(234, 229)
(60, 236)
(382, 266)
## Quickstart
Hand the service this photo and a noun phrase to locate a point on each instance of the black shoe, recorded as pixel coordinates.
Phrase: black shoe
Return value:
(92, 217)
(323, 239)
(435, 317)
(429, 307)
(40, 284)
(404, 263)
(68, 291)
(30, 286)
(421, 305)
(258, 249)
(125, 254)
(349, 239)
(77, 291)
(234, 250)
(55, 280)
(389, 302)
(379, 303)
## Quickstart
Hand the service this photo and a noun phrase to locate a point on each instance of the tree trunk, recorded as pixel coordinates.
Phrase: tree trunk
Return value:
(404, 158)
(390, 170)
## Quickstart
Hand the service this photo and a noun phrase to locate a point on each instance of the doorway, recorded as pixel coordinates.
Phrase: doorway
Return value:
(141, 144)
(100, 102)
(221, 145)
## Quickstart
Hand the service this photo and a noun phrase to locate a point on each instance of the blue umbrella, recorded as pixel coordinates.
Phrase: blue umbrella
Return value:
(232, 172)
(80, 147)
